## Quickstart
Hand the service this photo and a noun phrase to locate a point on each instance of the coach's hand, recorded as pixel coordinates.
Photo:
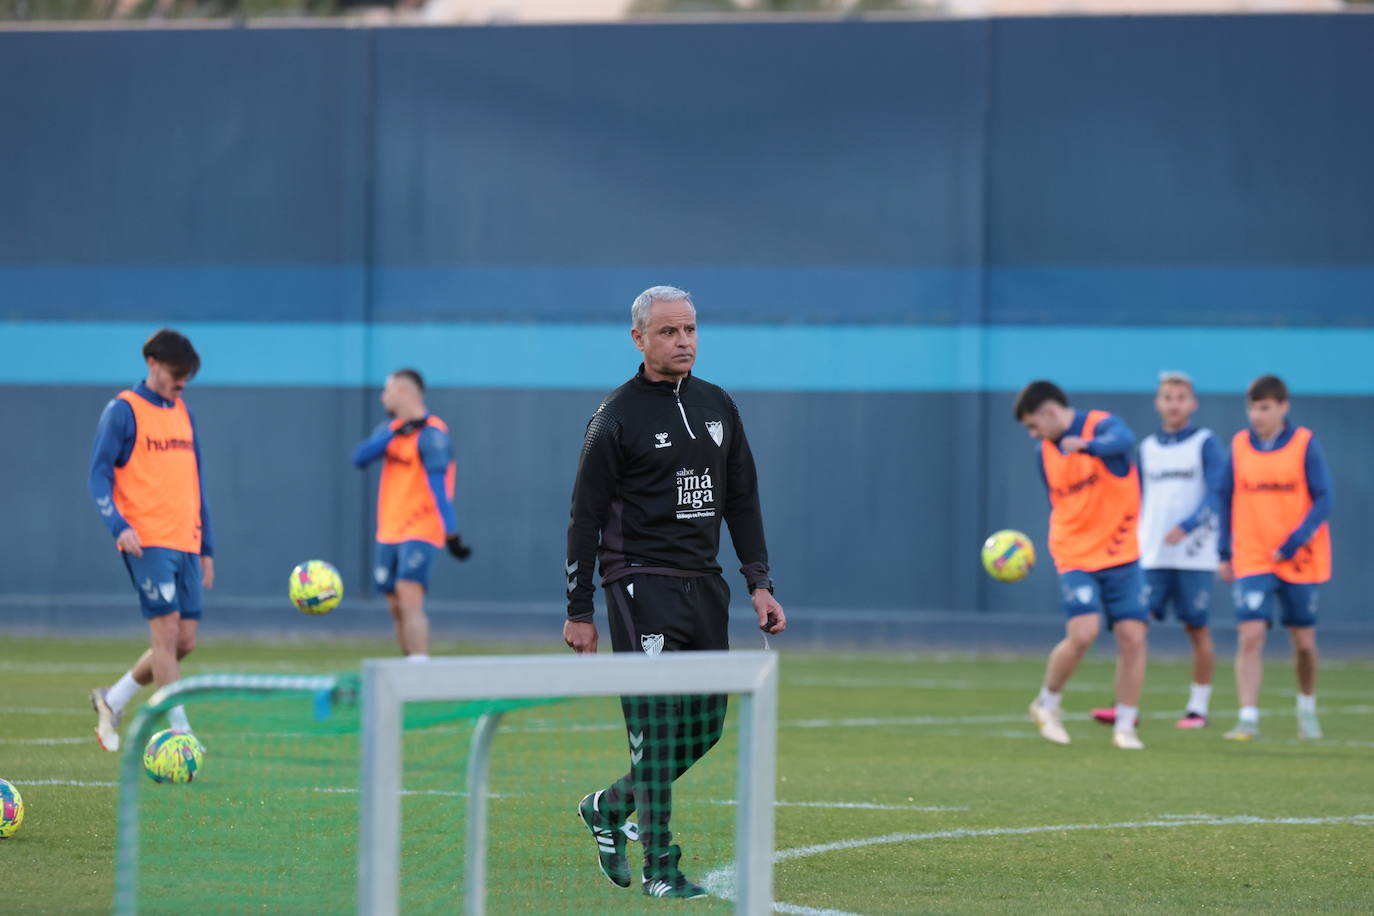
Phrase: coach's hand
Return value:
(580, 636)
(457, 547)
(207, 572)
(129, 543)
(771, 616)
(1175, 535)
(1225, 572)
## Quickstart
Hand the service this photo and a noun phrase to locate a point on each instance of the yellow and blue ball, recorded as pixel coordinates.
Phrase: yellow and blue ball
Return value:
(1008, 556)
(11, 809)
(173, 756)
(316, 587)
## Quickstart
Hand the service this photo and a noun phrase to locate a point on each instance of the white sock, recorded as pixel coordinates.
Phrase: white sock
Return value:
(176, 717)
(122, 692)
(417, 658)
(1307, 702)
(1199, 696)
(1125, 717)
(1048, 699)
(1249, 714)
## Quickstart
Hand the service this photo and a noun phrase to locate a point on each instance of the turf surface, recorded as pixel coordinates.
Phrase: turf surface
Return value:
(907, 784)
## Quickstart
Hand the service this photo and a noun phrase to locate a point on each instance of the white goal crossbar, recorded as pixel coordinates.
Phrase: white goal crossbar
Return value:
(388, 684)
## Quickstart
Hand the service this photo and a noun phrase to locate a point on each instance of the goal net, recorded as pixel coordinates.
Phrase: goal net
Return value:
(447, 787)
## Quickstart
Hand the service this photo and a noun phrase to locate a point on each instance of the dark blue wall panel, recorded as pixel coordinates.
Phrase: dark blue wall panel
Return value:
(1171, 172)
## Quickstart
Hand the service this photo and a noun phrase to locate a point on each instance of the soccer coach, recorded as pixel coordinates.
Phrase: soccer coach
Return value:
(664, 461)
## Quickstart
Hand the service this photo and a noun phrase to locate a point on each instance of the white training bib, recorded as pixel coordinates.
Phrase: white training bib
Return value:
(1173, 487)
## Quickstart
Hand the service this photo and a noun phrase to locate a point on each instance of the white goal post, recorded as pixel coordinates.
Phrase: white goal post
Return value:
(388, 684)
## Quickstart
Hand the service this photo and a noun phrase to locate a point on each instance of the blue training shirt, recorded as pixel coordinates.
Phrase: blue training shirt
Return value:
(1318, 487)
(115, 436)
(1213, 468)
(436, 450)
(1112, 442)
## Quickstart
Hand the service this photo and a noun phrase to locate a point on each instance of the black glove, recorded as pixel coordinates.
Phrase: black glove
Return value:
(457, 547)
(408, 427)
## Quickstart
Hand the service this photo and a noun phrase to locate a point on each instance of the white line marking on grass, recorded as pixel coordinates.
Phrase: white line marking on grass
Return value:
(800, 852)
(1003, 718)
(721, 881)
(43, 711)
(75, 783)
(795, 910)
(44, 740)
(441, 793)
(860, 806)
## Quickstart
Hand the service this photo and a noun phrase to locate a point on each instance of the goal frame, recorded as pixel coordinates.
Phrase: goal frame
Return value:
(388, 684)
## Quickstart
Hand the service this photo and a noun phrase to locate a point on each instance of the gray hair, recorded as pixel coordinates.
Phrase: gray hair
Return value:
(644, 303)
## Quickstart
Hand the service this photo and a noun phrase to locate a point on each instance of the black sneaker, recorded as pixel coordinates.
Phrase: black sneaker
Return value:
(610, 842)
(667, 880)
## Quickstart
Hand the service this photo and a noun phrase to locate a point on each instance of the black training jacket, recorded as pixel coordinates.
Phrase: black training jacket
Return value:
(661, 466)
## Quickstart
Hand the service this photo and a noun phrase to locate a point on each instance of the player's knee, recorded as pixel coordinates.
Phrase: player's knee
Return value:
(185, 646)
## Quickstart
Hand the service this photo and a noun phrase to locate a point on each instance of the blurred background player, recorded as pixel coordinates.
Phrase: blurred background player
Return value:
(146, 481)
(1180, 474)
(664, 461)
(1276, 546)
(1094, 491)
(414, 505)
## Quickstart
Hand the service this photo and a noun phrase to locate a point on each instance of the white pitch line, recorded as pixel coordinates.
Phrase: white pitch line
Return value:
(801, 852)
(74, 783)
(1004, 718)
(720, 881)
(1104, 688)
(858, 806)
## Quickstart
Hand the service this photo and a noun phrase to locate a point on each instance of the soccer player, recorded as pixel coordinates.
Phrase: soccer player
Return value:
(1094, 490)
(1275, 546)
(665, 459)
(1180, 471)
(414, 505)
(145, 478)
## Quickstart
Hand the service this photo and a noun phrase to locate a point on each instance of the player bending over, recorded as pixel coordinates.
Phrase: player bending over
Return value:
(1275, 546)
(146, 481)
(1094, 490)
(414, 505)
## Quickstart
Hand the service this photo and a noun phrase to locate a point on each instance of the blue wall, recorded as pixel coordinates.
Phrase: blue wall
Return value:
(888, 228)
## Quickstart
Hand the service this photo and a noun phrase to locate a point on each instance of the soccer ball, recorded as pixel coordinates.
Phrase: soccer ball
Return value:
(1008, 556)
(173, 756)
(316, 587)
(11, 810)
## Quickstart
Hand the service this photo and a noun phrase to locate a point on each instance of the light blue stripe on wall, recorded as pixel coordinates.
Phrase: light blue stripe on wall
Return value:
(740, 357)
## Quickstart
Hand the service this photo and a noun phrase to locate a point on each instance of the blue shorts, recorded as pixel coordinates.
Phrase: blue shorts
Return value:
(1189, 591)
(167, 581)
(1118, 591)
(1255, 597)
(409, 560)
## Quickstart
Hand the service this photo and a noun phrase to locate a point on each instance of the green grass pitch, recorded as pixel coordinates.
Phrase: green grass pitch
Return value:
(907, 783)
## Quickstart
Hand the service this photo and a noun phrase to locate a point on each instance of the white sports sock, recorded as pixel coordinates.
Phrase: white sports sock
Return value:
(1048, 699)
(122, 692)
(1249, 714)
(417, 658)
(1199, 696)
(1125, 717)
(176, 717)
(1307, 702)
